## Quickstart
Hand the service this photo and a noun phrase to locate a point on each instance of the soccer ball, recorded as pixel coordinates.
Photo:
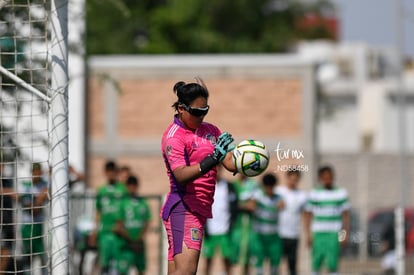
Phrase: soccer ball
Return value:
(251, 158)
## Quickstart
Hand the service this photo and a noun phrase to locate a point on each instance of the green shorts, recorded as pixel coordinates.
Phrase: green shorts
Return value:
(109, 249)
(325, 248)
(33, 241)
(131, 258)
(267, 246)
(212, 242)
(239, 238)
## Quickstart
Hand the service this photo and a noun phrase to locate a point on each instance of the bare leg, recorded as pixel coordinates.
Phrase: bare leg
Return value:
(208, 266)
(4, 259)
(96, 268)
(171, 267)
(227, 265)
(186, 262)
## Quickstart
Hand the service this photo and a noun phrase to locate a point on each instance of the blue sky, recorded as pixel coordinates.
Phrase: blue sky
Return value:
(374, 22)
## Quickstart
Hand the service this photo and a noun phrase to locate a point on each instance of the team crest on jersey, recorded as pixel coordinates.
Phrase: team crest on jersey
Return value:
(168, 150)
(195, 234)
(211, 138)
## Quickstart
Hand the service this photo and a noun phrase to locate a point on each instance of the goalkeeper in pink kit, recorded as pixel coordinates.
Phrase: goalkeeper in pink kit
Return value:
(191, 149)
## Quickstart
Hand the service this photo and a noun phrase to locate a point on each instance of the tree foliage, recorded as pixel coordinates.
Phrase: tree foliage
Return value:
(198, 26)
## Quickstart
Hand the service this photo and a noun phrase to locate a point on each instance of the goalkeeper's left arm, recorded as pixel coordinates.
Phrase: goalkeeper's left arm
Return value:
(228, 162)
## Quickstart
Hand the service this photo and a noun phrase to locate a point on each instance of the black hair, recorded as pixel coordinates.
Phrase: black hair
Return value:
(188, 92)
(324, 169)
(110, 165)
(132, 180)
(269, 180)
(294, 172)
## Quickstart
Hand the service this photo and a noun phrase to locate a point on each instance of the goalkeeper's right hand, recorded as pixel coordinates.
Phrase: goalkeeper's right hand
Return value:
(223, 146)
(221, 149)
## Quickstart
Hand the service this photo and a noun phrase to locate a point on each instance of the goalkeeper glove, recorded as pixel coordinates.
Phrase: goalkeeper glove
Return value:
(220, 151)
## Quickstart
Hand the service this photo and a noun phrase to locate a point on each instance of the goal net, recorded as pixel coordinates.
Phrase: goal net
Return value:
(33, 137)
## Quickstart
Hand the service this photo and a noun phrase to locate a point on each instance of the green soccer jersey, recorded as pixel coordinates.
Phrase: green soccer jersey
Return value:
(135, 214)
(108, 204)
(327, 207)
(241, 234)
(245, 191)
(28, 194)
(265, 217)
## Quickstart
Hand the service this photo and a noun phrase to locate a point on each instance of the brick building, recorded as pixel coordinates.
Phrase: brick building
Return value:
(266, 97)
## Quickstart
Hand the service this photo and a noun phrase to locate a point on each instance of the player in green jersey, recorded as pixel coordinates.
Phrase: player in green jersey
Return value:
(32, 197)
(267, 244)
(108, 213)
(136, 216)
(242, 229)
(327, 215)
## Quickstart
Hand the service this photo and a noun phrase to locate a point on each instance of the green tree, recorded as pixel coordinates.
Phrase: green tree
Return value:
(116, 26)
(196, 26)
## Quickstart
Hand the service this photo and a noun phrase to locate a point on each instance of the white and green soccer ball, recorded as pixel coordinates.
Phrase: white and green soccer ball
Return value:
(251, 157)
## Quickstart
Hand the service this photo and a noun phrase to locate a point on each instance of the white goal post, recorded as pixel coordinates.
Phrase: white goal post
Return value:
(59, 139)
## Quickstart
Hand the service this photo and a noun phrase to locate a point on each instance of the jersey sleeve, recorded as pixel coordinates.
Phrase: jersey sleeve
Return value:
(253, 195)
(252, 192)
(174, 151)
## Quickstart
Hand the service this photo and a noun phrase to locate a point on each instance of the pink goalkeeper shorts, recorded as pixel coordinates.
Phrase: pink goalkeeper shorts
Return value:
(185, 227)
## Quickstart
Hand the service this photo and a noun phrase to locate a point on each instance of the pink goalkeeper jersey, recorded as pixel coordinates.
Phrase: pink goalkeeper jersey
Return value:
(182, 147)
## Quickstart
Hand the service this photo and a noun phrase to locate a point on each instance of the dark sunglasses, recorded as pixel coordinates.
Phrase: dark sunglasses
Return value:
(196, 111)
